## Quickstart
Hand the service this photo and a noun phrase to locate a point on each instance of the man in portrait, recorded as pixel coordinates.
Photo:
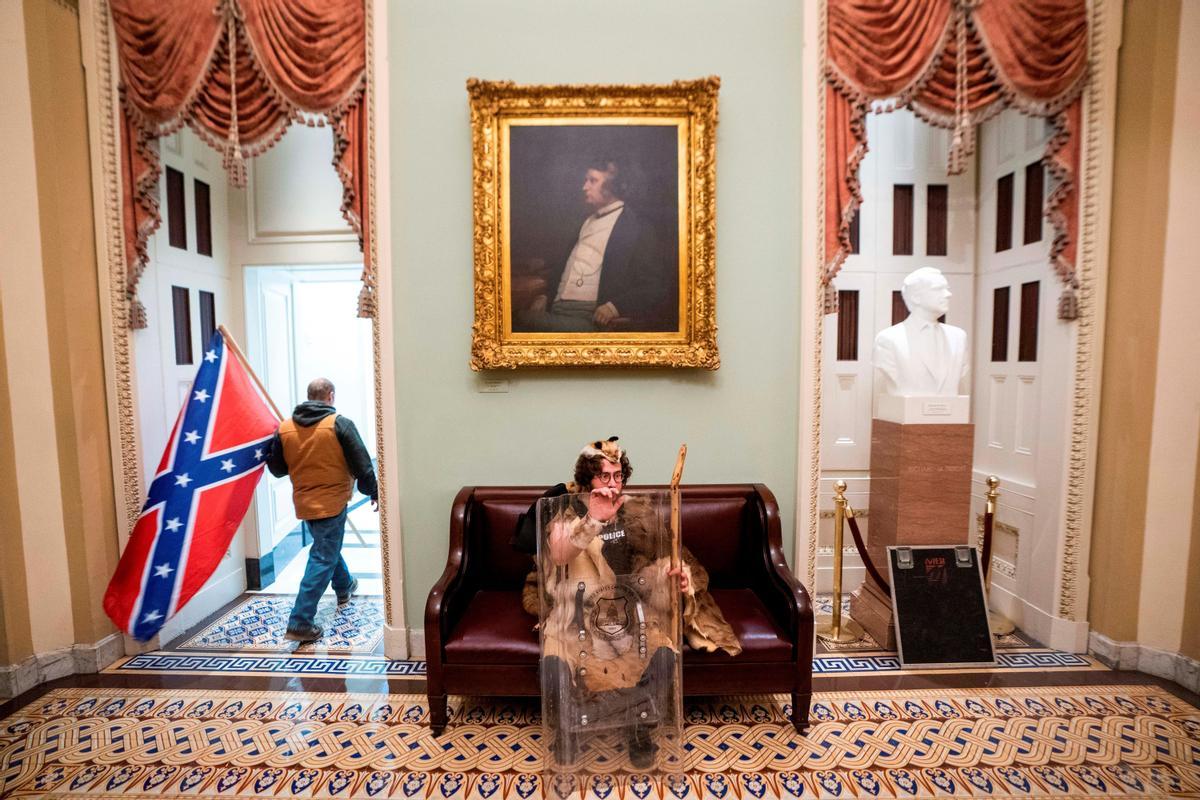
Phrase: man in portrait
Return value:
(614, 276)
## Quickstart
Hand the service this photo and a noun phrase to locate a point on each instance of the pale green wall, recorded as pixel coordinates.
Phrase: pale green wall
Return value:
(740, 421)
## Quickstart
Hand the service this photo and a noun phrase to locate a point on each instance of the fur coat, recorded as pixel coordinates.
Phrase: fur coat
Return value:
(704, 626)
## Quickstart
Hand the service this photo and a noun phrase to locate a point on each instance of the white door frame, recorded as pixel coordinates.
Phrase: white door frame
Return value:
(1068, 628)
(99, 62)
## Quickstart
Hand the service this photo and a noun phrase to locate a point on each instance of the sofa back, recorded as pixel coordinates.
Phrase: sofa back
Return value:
(722, 525)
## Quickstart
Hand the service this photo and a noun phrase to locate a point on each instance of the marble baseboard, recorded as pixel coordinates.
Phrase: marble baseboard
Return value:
(18, 678)
(1150, 660)
(416, 643)
(43, 667)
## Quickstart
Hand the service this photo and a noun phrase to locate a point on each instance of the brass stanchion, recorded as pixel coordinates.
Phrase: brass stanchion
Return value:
(833, 628)
(1000, 624)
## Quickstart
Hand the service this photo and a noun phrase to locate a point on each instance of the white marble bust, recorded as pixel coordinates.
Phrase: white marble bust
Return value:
(922, 357)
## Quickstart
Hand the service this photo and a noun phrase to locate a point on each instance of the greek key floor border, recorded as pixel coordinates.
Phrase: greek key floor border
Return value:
(192, 663)
(251, 664)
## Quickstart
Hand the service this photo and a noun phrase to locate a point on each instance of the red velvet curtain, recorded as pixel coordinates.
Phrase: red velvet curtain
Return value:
(1027, 54)
(238, 73)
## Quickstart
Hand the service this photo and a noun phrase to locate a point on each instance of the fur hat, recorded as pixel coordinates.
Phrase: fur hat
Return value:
(608, 450)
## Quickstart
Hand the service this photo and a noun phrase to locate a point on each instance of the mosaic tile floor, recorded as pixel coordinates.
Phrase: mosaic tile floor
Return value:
(259, 622)
(1092, 741)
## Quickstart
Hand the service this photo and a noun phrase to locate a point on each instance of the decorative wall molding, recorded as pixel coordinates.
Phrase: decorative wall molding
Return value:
(103, 120)
(387, 435)
(256, 235)
(1092, 271)
(1141, 658)
(1096, 177)
(829, 513)
(999, 565)
(846, 551)
(812, 323)
(1005, 568)
(99, 59)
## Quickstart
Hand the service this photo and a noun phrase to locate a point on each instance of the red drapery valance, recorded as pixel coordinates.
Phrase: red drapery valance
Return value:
(1027, 54)
(238, 73)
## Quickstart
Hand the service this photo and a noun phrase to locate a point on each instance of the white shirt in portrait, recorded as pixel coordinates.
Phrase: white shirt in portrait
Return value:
(581, 278)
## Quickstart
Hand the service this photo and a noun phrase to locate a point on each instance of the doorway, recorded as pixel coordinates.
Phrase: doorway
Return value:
(296, 320)
(300, 326)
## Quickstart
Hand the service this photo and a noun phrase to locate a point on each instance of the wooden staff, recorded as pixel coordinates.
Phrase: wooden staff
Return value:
(676, 538)
(676, 476)
(232, 344)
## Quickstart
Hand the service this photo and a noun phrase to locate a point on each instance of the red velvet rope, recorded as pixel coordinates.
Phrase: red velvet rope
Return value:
(988, 521)
(866, 557)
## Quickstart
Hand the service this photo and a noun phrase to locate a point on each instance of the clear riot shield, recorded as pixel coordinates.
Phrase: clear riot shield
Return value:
(610, 628)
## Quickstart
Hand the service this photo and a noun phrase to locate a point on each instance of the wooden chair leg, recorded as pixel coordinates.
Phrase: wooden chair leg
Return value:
(437, 714)
(800, 704)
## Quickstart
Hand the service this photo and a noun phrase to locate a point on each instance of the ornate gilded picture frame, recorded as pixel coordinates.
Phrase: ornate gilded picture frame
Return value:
(595, 225)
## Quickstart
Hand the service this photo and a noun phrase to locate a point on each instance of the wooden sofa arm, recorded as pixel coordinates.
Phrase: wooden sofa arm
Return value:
(783, 595)
(448, 598)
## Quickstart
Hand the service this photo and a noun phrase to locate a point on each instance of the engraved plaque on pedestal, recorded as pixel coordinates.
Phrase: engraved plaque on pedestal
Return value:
(920, 495)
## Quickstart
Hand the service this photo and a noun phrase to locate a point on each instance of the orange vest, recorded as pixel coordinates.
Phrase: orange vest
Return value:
(321, 481)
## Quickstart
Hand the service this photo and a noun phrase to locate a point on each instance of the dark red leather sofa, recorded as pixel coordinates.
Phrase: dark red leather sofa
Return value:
(479, 641)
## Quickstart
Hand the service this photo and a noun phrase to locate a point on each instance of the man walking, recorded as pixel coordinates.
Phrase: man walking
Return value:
(324, 454)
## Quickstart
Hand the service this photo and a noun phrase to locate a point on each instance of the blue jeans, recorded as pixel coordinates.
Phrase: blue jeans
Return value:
(325, 563)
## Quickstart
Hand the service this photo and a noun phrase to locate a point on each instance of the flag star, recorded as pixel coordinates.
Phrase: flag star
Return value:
(258, 454)
(202, 395)
(163, 570)
(210, 356)
(152, 616)
(227, 465)
(191, 437)
(182, 480)
(173, 524)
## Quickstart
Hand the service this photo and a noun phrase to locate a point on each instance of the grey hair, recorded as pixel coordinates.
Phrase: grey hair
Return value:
(915, 280)
(320, 389)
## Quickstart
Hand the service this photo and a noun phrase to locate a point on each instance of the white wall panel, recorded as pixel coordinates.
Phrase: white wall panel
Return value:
(1026, 419)
(294, 193)
(162, 384)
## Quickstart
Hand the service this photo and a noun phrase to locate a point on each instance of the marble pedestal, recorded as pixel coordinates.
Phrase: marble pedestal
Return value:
(920, 495)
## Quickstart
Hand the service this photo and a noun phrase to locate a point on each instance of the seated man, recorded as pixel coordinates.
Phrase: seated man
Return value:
(588, 545)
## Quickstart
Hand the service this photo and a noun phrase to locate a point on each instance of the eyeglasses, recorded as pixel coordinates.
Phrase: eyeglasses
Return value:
(610, 477)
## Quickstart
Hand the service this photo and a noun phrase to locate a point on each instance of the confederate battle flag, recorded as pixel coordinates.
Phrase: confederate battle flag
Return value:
(197, 498)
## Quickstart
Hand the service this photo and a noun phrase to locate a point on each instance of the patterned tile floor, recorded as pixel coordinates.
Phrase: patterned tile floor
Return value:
(1067, 741)
(258, 623)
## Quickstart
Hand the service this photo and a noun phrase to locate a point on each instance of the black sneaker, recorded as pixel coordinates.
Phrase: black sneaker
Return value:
(345, 598)
(641, 748)
(304, 633)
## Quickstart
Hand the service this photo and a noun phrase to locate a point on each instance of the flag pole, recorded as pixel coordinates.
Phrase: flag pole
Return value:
(237, 351)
